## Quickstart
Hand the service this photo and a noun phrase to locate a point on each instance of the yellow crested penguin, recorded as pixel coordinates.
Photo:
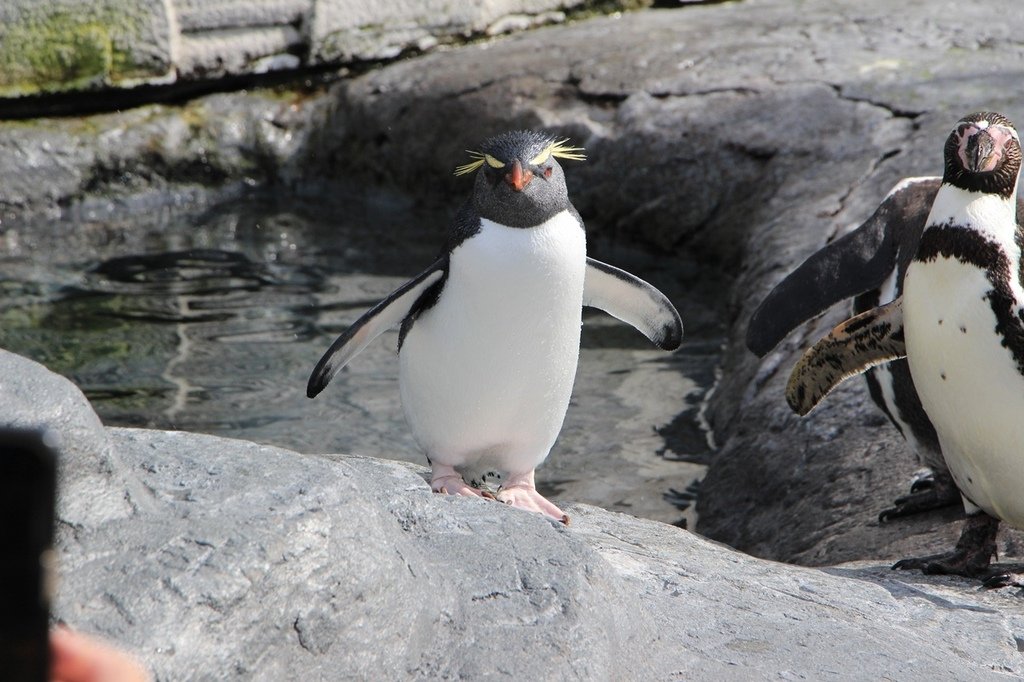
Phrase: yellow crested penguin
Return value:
(490, 331)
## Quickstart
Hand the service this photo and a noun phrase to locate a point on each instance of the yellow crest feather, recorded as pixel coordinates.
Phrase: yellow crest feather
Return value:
(560, 149)
(563, 150)
(478, 160)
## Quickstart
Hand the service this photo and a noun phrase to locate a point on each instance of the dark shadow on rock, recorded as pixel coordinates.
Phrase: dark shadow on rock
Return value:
(914, 585)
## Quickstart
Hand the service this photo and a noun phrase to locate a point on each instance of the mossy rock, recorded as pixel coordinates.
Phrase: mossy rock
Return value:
(58, 45)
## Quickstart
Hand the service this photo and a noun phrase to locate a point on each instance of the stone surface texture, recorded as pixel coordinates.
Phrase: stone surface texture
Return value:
(745, 134)
(748, 134)
(220, 559)
(62, 45)
(51, 46)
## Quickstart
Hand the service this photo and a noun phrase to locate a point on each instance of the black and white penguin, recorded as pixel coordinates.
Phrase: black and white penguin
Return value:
(959, 324)
(868, 264)
(490, 332)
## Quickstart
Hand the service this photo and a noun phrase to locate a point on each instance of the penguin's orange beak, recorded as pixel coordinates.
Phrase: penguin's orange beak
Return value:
(517, 178)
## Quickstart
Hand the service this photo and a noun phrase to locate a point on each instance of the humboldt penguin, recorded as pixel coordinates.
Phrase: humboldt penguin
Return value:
(960, 326)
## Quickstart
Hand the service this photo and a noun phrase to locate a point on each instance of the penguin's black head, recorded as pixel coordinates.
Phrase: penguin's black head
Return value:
(983, 154)
(519, 182)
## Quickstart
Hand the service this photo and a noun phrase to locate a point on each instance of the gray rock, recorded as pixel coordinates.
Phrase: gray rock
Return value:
(241, 561)
(213, 143)
(196, 16)
(746, 134)
(812, 488)
(56, 46)
(32, 397)
(346, 30)
(62, 45)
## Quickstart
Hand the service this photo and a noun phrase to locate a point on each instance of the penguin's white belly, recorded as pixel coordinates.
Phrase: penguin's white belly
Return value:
(969, 383)
(486, 373)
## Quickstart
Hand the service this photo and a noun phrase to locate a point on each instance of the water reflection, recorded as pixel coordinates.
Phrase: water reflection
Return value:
(211, 321)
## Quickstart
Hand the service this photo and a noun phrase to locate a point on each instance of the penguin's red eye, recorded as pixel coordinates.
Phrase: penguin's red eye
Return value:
(547, 172)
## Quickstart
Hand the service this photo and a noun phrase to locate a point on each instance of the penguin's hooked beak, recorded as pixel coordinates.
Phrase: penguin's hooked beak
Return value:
(517, 178)
(980, 151)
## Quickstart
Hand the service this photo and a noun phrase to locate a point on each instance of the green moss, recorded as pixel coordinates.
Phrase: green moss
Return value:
(59, 50)
(52, 51)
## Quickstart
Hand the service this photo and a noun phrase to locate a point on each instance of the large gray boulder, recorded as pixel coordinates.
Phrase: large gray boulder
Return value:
(220, 559)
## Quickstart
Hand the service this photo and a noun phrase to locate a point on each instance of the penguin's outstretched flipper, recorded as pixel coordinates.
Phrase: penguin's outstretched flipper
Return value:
(385, 315)
(853, 264)
(634, 301)
(859, 343)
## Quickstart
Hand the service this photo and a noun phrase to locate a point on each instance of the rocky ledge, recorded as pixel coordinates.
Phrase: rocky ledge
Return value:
(744, 135)
(49, 46)
(747, 134)
(222, 559)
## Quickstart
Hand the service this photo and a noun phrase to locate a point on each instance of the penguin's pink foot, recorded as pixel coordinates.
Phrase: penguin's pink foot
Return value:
(521, 491)
(447, 481)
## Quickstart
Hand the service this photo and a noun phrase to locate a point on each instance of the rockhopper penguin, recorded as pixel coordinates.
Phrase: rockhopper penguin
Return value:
(490, 331)
(960, 325)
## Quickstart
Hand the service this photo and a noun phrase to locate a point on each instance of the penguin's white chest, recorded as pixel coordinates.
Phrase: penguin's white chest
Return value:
(486, 373)
(968, 381)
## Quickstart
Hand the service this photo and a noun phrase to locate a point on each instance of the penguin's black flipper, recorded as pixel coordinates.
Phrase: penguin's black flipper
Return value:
(634, 301)
(861, 342)
(855, 263)
(385, 315)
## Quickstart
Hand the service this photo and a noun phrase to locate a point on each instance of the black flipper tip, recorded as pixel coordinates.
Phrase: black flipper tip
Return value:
(671, 337)
(318, 381)
(756, 345)
(752, 340)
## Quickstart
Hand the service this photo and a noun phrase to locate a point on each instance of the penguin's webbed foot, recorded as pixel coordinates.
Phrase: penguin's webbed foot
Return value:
(447, 481)
(521, 491)
(972, 556)
(926, 494)
(952, 563)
